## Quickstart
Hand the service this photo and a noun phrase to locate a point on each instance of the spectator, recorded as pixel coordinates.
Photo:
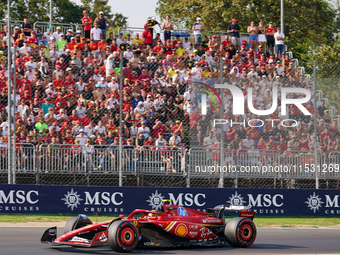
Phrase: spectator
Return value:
(279, 42)
(253, 31)
(262, 34)
(167, 27)
(26, 28)
(87, 23)
(96, 33)
(270, 32)
(234, 31)
(197, 28)
(147, 36)
(151, 25)
(103, 23)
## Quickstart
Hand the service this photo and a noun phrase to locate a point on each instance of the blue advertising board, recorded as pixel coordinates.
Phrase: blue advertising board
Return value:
(123, 200)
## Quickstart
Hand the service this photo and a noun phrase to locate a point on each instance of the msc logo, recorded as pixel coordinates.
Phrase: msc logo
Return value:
(238, 102)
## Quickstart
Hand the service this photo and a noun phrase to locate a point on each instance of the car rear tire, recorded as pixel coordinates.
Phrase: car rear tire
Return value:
(123, 236)
(240, 232)
(75, 223)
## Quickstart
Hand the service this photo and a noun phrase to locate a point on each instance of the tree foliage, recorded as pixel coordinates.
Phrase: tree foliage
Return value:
(67, 12)
(306, 22)
(63, 11)
(119, 20)
(93, 7)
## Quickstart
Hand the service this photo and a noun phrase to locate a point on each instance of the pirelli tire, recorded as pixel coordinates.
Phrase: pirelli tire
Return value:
(75, 223)
(122, 236)
(240, 232)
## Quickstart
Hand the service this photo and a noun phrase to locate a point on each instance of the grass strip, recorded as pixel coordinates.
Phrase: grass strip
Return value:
(285, 222)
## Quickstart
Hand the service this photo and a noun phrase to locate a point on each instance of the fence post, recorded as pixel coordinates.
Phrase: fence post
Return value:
(221, 181)
(14, 168)
(120, 120)
(185, 168)
(9, 150)
(315, 131)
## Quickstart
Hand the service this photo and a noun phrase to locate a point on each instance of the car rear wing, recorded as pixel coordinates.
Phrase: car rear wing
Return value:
(218, 210)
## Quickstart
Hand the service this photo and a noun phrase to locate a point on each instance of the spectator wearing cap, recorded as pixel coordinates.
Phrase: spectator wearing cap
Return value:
(279, 42)
(234, 30)
(32, 40)
(15, 34)
(197, 29)
(20, 40)
(31, 64)
(147, 36)
(56, 35)
(152, 22)
(72, 43)
(180, 49)
(96, 33)
(69, 35)
(119, 40)
(61, 42)
(98, 94)
(144, 129)
(87, 23)
(103, 23)
(48, 34)
(213, 45)
(196, 71)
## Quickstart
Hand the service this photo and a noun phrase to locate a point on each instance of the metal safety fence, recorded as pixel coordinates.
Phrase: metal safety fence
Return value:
(174, 97)
(166, 165)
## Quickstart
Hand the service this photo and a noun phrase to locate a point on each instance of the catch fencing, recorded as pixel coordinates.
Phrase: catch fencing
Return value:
(169, 165)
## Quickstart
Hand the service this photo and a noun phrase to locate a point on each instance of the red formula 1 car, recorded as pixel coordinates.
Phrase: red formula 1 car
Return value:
(172, 226)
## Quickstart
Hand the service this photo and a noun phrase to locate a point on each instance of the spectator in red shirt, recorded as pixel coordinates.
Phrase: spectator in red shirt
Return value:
(82, 43)
(325, 135)
(144, 75)
(87, 23)
(92, 45)
(158, 128)
(147, 36)
(226, 43)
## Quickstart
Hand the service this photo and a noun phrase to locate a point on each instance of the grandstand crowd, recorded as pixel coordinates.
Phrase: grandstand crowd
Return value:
(67, 88)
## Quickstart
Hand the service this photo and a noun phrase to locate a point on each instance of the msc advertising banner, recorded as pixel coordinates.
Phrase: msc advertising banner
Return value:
(123, 200)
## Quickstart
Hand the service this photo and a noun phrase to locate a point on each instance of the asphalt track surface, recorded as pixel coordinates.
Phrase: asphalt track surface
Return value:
(26, 241)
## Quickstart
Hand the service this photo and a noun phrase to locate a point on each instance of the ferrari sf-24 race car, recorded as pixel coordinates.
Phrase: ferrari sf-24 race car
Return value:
(172, 226)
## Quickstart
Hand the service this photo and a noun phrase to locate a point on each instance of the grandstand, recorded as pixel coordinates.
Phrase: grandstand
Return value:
(67, 112)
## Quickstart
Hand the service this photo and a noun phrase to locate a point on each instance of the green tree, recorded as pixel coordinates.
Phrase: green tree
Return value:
(95, 6)
(328, 71)
(66, 11)
(119, 20)
(310, 21)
